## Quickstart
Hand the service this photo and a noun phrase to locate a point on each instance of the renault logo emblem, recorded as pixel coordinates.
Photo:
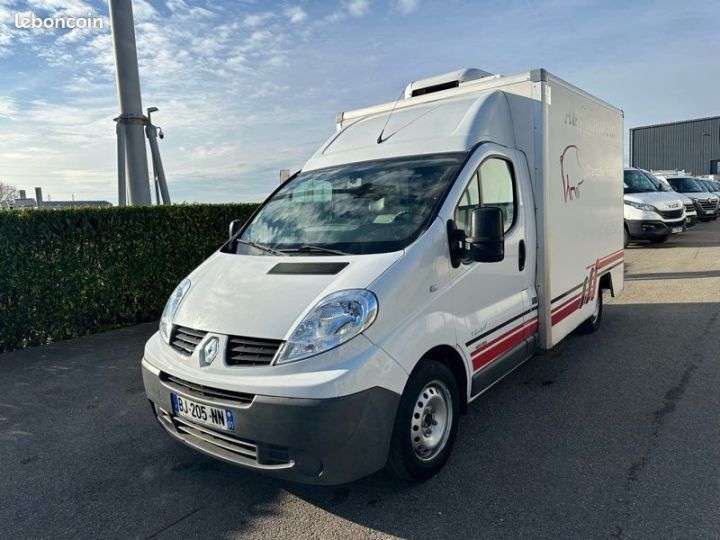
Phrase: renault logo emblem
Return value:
(209, 351)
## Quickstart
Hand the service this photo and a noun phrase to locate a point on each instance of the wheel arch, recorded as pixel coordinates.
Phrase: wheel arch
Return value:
(453, 360)
(606, 283)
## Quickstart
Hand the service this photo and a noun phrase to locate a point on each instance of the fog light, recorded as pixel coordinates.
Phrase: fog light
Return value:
(209, 351)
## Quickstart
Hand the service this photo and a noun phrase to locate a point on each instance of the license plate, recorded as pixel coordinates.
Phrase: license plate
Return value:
(676, 230)
(203, 414)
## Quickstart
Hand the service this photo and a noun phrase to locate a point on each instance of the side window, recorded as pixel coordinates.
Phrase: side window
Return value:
(491, 185)
(496, 188)
(468, 202)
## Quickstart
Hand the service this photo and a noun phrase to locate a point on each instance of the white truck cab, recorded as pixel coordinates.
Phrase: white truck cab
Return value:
(425, 251)
(650, 213)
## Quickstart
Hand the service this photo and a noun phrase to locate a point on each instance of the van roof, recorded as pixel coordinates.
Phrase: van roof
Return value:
(447, 125)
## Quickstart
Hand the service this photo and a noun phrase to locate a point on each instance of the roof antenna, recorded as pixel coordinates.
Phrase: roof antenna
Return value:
(382, 131)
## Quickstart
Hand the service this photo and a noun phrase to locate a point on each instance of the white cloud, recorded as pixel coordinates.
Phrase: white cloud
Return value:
(256, 19)
(296, 14)
(407, 6)
(358, 8)
(8, 108)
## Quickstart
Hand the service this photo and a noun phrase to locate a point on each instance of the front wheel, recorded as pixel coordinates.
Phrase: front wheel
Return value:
(426, 422)
(593, 323)
(626, 238)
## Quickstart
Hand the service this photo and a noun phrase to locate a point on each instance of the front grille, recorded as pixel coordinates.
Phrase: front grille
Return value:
(242, 351)
(215, 438)
(708, 205)
(200, 391)
(224, 444)
(671, 214)
(690, 208)
(185, 340)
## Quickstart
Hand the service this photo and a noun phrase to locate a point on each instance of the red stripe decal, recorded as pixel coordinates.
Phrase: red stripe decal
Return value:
(574, 299)
(561, 314)
(492, 342)
(610, 260)
(494, 349)
(614, 254)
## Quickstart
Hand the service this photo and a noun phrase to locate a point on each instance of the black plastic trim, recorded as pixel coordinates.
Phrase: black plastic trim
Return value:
(309, 268)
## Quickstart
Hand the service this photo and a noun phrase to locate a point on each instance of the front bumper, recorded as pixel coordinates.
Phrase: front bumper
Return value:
(649, 229)
(706, 211)
(318, 441)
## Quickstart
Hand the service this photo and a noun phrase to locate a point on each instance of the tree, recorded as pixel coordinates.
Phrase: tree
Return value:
(8, 193)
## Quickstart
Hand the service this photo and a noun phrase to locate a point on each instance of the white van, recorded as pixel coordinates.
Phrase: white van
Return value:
(706, 203)
(650, 214)
(425, 251)
(663, 185)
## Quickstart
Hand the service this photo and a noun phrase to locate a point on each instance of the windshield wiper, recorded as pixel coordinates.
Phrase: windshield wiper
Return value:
(314, 249)
(261, 247)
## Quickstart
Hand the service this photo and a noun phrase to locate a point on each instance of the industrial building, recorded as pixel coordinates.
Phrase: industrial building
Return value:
(690, 145)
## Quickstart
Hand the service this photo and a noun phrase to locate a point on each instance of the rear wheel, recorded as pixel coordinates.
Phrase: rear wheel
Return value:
(426, 422)
(593, 323)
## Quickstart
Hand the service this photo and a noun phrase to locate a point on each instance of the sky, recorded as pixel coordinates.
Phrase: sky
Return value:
(246, 88)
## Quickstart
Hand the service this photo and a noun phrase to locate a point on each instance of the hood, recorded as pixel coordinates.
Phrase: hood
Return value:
(702, 195)
(250, 296)
(662, 200)
(684, 198)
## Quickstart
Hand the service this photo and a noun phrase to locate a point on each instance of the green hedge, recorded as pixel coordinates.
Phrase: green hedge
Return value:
(67, 273)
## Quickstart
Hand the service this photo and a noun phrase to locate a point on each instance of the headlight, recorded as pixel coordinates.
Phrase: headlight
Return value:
(171, 308)
(337, 318)
(642, 206)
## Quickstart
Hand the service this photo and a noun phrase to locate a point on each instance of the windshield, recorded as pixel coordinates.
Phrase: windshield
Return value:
(370, 207)
(685, 185)
(637, 182)
(708, 185)
(659, 184)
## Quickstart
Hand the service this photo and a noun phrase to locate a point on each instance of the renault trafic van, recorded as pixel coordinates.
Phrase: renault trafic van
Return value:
(705, 202)
(425, 251)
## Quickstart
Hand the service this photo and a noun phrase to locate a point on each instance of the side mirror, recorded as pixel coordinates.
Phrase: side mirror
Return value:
(235, 226)
(487, 237)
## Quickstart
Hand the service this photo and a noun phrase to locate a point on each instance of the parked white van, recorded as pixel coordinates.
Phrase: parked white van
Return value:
(425, 251)
(650, 214)
(663, 185)
(706, 203)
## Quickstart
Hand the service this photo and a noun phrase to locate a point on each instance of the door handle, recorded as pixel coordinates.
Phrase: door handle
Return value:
(521, 255)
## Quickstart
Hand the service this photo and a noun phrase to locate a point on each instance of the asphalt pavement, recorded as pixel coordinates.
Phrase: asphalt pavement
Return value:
(612, 435)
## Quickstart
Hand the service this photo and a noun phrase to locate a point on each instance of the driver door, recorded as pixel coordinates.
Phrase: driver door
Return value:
(491, 300)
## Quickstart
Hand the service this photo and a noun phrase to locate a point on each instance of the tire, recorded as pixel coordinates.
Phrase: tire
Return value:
(431, 395)
(705, 220)
(659, 239)
(626, 238)
(593, 323)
